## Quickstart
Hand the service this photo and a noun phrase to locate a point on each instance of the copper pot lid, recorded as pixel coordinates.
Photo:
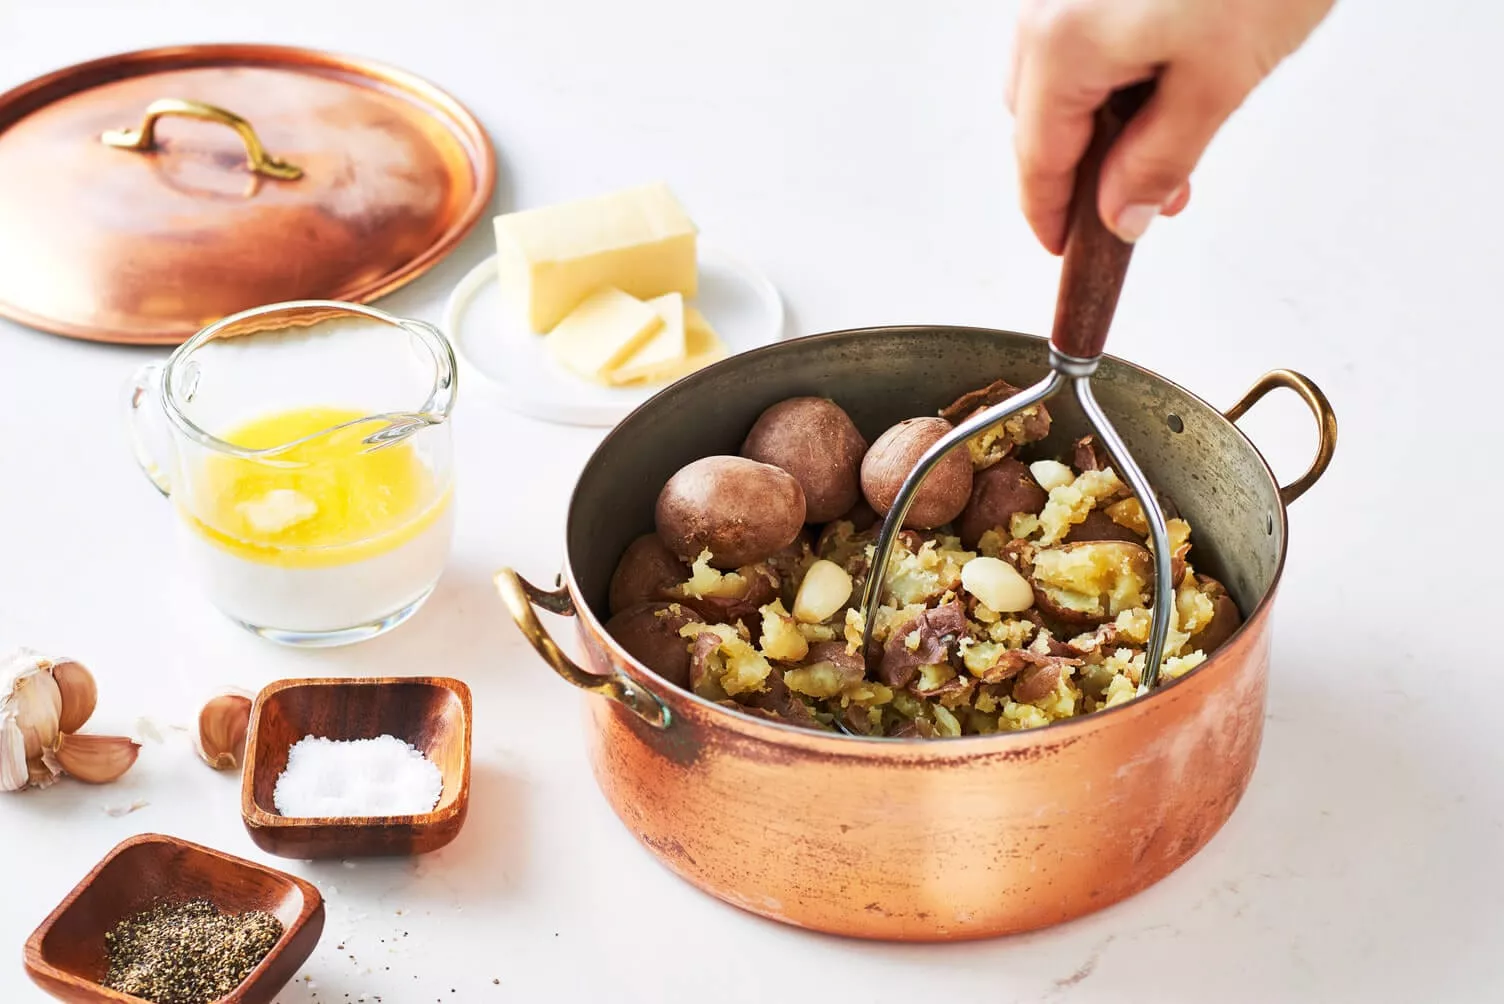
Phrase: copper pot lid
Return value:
(145, 195)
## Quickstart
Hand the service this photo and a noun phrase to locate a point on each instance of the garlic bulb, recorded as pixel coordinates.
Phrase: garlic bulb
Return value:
(30, 708)
(43, 702)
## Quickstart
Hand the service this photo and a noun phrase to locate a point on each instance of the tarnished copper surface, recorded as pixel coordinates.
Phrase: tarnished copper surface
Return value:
(148, 246)
(937, 840)
(923, 840)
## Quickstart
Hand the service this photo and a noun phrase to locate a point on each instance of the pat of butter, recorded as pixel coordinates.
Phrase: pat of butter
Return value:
(702, 346)
(277, 510)
(602, 333)
(639, 240)
(663, 350)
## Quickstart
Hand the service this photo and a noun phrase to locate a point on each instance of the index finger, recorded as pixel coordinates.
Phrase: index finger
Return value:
(1051, 136)
(1064, 76)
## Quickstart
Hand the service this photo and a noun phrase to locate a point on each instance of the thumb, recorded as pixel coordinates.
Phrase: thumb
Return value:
(1151, 162)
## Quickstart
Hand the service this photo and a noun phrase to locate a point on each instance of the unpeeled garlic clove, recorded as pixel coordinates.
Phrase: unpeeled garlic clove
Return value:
(15, 773)
(95, 759)
(222, 725)
(30, 706)
(33, 700)
(79, 694)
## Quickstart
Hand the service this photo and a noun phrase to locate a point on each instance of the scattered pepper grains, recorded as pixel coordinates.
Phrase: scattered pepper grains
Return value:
(187, 953)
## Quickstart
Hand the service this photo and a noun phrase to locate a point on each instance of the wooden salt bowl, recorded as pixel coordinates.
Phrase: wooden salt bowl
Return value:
(431, 713)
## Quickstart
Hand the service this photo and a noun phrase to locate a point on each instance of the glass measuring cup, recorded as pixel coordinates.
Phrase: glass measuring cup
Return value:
(309, 460)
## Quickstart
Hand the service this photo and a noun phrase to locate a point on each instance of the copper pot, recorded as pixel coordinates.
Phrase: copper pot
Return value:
(926, 839)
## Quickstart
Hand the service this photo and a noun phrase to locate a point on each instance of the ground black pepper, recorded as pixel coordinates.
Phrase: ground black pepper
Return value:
(187, 953)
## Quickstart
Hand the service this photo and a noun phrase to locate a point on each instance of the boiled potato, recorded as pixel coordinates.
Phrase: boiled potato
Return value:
(650, 634)
(1091, 582)
(740, 510)
(813, 439)
(648, 571)
(997, 494)
(890, 460)
(1226, 618)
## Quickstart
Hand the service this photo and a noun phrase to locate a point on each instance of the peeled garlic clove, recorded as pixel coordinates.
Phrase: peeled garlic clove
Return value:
(95, 759)
(79, 694)
(222, 725)
(825, 589)
(997, 584)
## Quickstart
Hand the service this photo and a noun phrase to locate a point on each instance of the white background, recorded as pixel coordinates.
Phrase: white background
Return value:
(1346, 224)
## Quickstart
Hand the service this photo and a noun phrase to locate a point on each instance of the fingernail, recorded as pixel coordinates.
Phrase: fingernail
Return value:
(1134, 220)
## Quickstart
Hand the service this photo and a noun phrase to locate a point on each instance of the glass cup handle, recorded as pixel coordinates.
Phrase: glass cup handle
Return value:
(145, 386)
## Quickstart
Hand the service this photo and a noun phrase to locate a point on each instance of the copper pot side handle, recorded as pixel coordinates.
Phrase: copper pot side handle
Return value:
(145, 138)
(521, 597)
(1321, 408)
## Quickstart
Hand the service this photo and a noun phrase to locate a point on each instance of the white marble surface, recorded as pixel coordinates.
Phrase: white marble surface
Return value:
(1346, 224)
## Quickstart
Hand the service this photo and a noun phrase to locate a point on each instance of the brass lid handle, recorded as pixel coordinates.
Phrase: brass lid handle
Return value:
(144, 138)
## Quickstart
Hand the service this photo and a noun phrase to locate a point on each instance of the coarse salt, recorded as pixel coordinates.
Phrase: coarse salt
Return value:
(359, 777)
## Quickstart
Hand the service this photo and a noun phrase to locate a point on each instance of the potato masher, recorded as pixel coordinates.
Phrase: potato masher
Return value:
(1091, 277)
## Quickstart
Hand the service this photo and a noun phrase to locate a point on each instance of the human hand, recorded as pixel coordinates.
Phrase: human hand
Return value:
(1069, 55)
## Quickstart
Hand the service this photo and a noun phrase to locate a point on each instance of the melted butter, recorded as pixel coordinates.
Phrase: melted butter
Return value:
(329, 500)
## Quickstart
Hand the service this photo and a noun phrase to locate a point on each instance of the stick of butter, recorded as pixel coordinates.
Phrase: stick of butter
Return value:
(603, 332)
(639, 240)
(663, 350)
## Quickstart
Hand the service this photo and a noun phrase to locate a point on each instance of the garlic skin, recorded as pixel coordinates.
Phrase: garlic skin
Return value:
(94, 759)
(222, 725)
(31, 707)
(79, 694)
(13, 773)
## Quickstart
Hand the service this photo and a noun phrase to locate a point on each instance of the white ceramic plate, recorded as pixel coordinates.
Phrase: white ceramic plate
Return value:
(497, 349)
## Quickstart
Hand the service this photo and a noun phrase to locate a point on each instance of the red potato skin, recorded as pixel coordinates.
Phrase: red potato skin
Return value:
(944, 493)
(1089, 455)
(1034, 429)
(648, 571)
(1061, 615)
(1038, 680)
(997, 493)
(787, 563)
(1226, 618)
(654, 640)
(861, 516)
(1032, 426)
(813, 439)
(1099, 526)
(741, 510)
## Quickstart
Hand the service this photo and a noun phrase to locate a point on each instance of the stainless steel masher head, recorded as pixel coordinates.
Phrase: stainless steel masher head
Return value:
(1091, 277)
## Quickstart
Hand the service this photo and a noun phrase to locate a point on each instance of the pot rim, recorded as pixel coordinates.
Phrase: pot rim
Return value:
(780, 733)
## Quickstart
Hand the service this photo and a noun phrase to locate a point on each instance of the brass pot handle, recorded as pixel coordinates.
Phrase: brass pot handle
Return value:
(1321, 408)
(145, 138)
(521, 596)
